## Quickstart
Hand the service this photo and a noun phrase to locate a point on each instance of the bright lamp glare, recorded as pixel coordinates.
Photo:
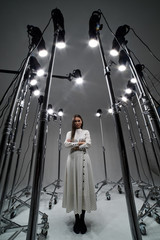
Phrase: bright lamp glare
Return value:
(110, 110)
(60, 113)
(79, 80)
(124, 99)
(93, 43)
(22, 103)
(50, 111)
(40, 72)
(43, 53)
(60, 45)
(133, 80)
(128, 90)
(33, 82)
(36, 92)
(122, 68)
(114, 52)
(98, 114)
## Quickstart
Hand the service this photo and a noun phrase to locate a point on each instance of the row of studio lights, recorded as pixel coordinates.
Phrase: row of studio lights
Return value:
(37, 71)
(93, 42)
(118, 41)
(60, 44)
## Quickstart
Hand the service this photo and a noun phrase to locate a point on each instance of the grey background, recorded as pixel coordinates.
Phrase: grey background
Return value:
(142, 16)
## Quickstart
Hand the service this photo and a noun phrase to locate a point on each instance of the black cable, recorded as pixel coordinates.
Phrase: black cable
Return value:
(14, 79)
(145, 84)
(132, 130)
(146, 45)
(29, 141)
(106, 22)
(23, 62)
(148, 77)
(40, 37)
(7, 104)
(151, 79)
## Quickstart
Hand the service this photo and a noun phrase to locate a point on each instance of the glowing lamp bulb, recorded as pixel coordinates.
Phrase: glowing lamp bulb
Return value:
(50, 111)
(79, 80)
(124, 99)
(33, 82)
(110, 110)
(122, 68)
(60, 113)
(93, 43)
(133, 80)
(98, 114)
(60, 45)
(128, 90)
(114, 52)
(40, 72)
(43, 53)
(36, 92)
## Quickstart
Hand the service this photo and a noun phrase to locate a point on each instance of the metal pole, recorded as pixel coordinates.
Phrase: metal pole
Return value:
(59, 150)
(152, 114)
(142, 141)
(40, 153)
(104, 156)
(136, 235)
(9, 121)
(132, 144)
(19, 152)
(5, 142)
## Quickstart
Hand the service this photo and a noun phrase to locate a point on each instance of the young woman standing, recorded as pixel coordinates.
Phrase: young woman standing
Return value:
(79, 194)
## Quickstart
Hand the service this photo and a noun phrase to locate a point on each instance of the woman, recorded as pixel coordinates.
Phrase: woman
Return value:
(78, 195)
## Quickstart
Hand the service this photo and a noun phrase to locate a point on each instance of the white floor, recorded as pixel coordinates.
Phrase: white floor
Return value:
(110, 221)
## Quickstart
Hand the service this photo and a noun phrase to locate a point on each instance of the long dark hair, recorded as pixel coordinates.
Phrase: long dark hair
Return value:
(73, 125)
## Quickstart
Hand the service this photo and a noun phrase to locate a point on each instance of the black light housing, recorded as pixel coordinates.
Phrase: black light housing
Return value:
(94, 27)
(123, 59)
(94, 24)
(76, 73)
(37, 39)
(99, 113)
(139, 69)
(60, 112)
(119, 39)
(58, 20)
(34, 64)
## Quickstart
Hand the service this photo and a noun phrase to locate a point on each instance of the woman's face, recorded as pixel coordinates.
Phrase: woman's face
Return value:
(77, 122)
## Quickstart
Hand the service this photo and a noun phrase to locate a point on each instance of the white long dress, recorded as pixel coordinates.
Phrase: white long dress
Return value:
(79, 192)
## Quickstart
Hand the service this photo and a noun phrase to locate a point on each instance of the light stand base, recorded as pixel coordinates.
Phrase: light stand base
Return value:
(105, 182)
(54, 194)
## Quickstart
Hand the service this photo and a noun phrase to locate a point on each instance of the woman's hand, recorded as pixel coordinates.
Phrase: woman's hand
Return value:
(81, 143)
(69, 140)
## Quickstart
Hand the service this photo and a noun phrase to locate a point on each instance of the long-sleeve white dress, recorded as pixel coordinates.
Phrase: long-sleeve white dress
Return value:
(79, 192)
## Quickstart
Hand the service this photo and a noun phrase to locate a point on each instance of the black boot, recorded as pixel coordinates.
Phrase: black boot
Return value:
(76, 227)
(83, 227)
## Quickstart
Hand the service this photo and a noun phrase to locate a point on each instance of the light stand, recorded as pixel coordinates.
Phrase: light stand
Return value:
(10, 134)
(8, 140)
(104, 182)
(149, 110)
(19, 152)
(42, 136)
(136, 235)
(146, 209)
(147, 100)
(75, 74)
(141, 184)
(56, 183)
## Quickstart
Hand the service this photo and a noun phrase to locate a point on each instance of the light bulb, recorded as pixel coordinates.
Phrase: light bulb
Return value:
(114, 52)
(43, 53)
(93, 43)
